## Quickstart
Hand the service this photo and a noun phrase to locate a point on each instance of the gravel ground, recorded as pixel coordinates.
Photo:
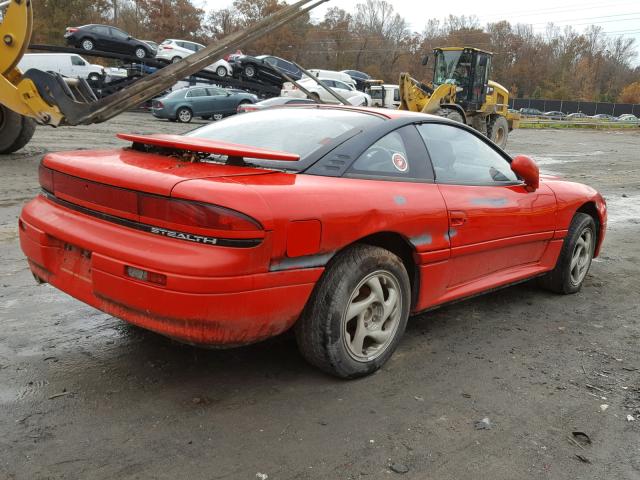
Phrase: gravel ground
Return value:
(84, 395)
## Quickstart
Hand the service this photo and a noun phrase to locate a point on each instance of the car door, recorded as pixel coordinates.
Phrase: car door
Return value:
(221, 101)
(79, 68)
(199, 101)
(495, 224)
(120, 41)
(102, 37)
(325, 96)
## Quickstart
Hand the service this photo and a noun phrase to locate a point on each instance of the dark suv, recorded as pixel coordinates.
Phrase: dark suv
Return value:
(264, 67)
(107, 39)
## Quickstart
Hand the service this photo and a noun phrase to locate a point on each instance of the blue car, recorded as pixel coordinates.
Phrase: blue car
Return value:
(205, 102)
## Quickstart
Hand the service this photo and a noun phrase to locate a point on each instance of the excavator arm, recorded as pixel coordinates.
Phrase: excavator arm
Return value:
(415, 96)
(53, 100)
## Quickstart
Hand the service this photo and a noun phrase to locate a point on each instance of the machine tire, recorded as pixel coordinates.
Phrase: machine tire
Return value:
(560, 279)
(498, 131)
(87, 44)
(323, 330)
(221, 71)
(451, 114)
(15, 130)
(184, 115)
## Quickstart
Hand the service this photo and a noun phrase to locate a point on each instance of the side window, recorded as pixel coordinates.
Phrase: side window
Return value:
(77, 61)
(283, 64)
(271, 61)
(102, 30)
(399, 154)
(459, 157)
(216, 91)
(341, 85)
(196, 92)
(396, 94)
(329, 83)
(119, 34)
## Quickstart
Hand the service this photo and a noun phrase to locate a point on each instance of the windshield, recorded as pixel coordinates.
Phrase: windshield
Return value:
(452, 65)
(304, 131)
(376, 93)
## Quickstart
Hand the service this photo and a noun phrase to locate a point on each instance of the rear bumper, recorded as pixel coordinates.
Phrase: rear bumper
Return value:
(87, 258)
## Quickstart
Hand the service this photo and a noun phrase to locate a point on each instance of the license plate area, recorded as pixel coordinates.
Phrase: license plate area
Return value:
(76, 261)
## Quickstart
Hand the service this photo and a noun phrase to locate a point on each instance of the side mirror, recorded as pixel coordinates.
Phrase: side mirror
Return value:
(128, 37)
(425, 60)
(525, 168)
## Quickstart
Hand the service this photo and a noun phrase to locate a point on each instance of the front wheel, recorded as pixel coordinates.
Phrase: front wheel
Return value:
(184, 115)
(575, 257)
(94, 77)
(221, 71)
(140, 52)
(357, 314)
(15, 130)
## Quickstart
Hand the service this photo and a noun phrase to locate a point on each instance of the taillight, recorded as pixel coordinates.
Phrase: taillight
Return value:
(45, 177)
(193, 214)
(71, 29)
(157, 104)
(154, 210)
(166, 47)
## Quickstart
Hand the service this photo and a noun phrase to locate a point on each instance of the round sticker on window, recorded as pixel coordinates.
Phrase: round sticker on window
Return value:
(400, 162)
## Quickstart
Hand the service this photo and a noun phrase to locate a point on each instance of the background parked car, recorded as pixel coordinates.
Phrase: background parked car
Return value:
(66, 64)
(264, 67)
(206, 102)
(273, 102)
(174, 50)
(555, 115)
(333, 75)
(530, 111)
(628, 117)
(605, 116)
(355, 97)
(107, 39)
(577, 116)
(359, 77)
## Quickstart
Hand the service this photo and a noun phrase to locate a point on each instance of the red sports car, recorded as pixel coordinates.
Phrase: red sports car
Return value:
(339, 221)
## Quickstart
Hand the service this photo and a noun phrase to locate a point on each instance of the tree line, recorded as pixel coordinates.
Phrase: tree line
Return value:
(559, 63)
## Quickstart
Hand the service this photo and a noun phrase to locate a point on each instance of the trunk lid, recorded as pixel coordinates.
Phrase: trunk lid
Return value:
(133, 170)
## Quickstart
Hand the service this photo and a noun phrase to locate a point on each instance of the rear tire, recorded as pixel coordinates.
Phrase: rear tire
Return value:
(249, 71)
(314, 96)
(357, 314)
(87, 44)
(15, 130)
(184, 115)
(498, 131)
(575, 257)
(94, 77)
(221, 71)
(175, 59)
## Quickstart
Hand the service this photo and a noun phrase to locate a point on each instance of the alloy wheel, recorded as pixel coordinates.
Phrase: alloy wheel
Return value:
(581, 257)
(372, 316)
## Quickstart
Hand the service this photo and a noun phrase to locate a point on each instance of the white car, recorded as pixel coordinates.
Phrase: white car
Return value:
(348, 91)
(66, 64)
(175, 50)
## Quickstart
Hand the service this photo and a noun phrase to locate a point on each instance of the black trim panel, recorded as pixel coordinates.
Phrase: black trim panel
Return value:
(143, 227)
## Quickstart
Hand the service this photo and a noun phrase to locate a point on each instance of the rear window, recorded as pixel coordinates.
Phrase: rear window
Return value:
(304, 131)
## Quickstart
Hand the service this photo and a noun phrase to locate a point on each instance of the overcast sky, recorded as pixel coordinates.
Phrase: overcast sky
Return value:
(616, 17)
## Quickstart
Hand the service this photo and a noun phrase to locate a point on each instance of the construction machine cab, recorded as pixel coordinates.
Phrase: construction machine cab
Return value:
(468, 69)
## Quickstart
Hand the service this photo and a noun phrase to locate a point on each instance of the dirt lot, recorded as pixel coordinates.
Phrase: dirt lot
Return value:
(83, 395)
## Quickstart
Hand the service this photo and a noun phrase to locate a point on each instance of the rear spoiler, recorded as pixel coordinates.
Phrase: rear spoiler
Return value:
(203, 145)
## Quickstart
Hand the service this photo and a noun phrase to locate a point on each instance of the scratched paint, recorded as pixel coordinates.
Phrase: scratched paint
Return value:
(309, 261)
(400, 200)
(489, 202)
(452, 232)
(422, 240)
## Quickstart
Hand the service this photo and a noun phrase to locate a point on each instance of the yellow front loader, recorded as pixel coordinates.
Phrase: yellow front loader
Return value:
(48, 99)
(461, 90)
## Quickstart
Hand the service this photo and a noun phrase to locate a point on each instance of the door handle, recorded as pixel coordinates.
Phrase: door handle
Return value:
(457, 218)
